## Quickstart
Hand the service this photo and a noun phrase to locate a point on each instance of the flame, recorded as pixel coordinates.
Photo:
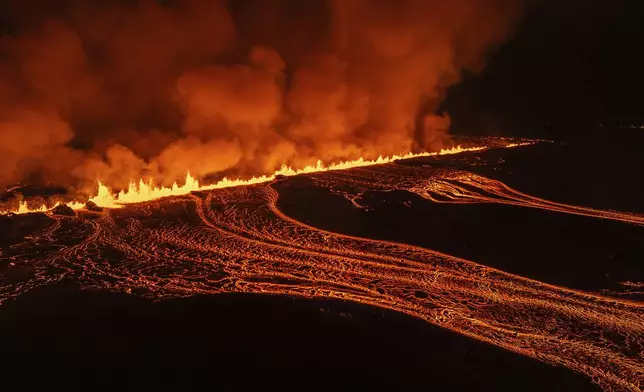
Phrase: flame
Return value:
(146, 191)
(23, 208)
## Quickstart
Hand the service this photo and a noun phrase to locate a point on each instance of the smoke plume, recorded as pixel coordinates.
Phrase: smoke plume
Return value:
(120, 90)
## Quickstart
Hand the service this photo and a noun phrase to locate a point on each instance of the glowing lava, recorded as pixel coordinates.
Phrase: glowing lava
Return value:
(142, 191)
(238, 240)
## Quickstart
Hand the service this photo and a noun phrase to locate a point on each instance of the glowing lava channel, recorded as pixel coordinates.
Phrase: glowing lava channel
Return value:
(146, 191)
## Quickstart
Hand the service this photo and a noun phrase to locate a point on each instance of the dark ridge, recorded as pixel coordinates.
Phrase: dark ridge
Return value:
(91, 206)
(63, 209)
(31, 191)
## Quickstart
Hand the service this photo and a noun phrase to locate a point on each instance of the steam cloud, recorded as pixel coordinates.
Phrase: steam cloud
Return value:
(126, 89)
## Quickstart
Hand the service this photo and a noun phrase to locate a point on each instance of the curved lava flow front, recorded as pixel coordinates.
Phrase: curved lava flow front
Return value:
(237, 240)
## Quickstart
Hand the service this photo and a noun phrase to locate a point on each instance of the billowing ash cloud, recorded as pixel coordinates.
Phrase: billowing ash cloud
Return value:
(127, 89)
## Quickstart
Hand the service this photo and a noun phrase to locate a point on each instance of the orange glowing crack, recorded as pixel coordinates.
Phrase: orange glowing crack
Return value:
(143, 191)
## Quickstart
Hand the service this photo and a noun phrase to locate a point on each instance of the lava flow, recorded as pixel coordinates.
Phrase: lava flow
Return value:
(452, 187)
(141, 191)
(237, 240)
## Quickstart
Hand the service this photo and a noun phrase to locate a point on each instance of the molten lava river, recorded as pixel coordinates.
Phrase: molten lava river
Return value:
(237, 240)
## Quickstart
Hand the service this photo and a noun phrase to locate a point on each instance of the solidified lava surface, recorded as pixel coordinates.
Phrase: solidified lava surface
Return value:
(279, 239)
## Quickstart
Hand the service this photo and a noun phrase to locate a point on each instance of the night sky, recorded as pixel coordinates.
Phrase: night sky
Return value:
(570, 66)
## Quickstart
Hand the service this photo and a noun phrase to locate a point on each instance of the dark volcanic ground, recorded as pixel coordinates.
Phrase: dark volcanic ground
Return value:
(57, 335)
